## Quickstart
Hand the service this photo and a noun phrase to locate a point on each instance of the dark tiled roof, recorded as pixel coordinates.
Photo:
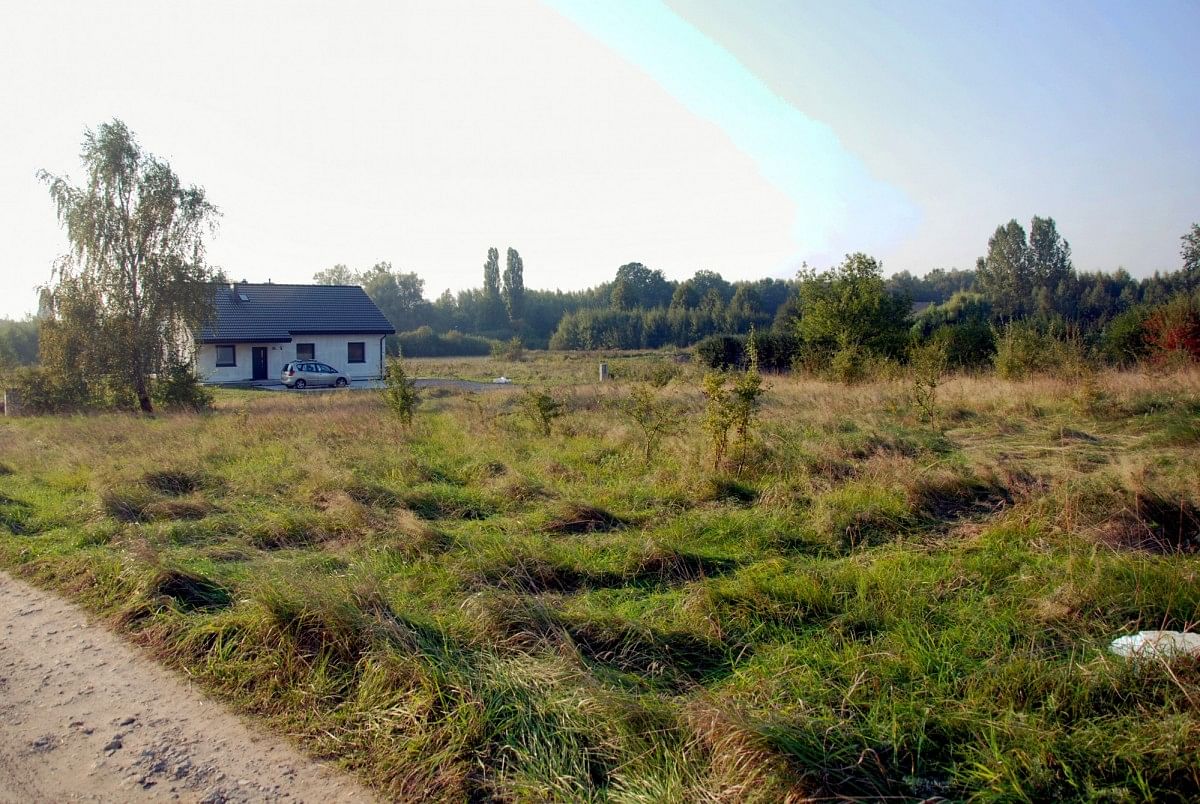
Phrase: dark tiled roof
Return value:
(275, 312)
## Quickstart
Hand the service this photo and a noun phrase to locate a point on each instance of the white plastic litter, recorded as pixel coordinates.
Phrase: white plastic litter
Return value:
(1155, 644)
(502, 380)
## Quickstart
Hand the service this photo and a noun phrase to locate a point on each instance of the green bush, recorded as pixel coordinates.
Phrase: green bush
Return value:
(424, 342)
(512, 350)
(42, 391)
(399, 392)
(1123, 341)
(776, 351)
(179, 388)
(1024, 348)
(852, 363)
(541, 408)
(720, 351)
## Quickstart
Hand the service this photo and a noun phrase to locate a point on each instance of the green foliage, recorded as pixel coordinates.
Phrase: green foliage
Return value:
(47, 391)
(653, 415)
(962, 323)
(512, 350)
(636, 286)
(424, 342)
(776, 350)
(1123, 339)
(1022, 277)
(399, 392)
(134, 284)
(927, 364)
(1190, 253)
(849, 309)
(1025, 348)
(852, 363)
(541, 408)
(514, 287)
(179, 388)
(720, 351)
(492, 317)
(18, 342)
(732, 406)
(718, 415)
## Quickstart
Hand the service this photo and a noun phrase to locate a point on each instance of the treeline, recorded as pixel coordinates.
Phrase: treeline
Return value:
(18, 342)
(1026, 310)
(1021, 277)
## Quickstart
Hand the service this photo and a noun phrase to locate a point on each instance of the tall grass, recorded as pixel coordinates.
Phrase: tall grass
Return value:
(879, 605)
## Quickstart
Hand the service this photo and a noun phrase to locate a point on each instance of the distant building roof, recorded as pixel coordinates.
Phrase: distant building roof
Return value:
(274, 313)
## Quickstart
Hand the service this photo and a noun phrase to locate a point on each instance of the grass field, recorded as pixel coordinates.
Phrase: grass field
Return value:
(468, 609)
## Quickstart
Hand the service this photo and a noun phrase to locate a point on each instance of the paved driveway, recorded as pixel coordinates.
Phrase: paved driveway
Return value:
(419, 382)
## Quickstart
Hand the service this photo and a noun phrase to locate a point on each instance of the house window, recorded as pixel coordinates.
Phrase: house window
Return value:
(306, 351)
(226, 356)
(356, 352)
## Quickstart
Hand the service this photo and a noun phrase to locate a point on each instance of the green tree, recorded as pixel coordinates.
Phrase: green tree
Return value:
(18, 342)
(1191, 258)
(1005, 275)
(134, 283)
(399, 392)
(850, 307)
(399, 296)
(1021, 276)
(337, 275)
(491, 315)
(1050, 255)
(637, 286)
(514, 286)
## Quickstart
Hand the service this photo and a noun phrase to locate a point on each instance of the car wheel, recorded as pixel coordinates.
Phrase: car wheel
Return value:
(341, 382)
(298, 384)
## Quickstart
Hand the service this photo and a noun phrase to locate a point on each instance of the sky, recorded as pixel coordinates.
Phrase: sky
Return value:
(746, 138)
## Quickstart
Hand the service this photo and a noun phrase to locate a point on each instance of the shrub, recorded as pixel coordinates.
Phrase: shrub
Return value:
(1123, 341)
(398, 392)
(776, 351)
(541, 408)
(927, 363)
(963, 324)
(1173, 331)
(424, 342)
(512, 349)
(655, 417)
(179, 388)
(851, 364)
(1023, 348)
(718, 415)
(720, 351)
(733, 408)
(44, 391)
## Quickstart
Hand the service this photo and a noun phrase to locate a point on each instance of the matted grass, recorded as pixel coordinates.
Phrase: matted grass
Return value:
(468, 610)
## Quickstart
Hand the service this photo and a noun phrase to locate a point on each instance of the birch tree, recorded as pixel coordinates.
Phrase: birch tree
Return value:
(135, 279)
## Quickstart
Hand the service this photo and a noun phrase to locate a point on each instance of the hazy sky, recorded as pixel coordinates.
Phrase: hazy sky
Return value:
(742, 137)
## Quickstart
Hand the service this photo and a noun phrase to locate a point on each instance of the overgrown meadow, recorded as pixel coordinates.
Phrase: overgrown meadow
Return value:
(882, 602)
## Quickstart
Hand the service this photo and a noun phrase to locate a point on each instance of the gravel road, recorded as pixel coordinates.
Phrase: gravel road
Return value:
(86, 717)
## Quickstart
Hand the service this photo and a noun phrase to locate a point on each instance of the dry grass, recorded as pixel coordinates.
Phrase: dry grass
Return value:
(466, 609)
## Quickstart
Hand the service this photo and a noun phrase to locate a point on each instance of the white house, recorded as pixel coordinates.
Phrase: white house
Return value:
(259, 328)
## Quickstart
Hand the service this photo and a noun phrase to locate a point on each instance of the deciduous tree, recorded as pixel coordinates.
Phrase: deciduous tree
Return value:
(514, 286)
(135, 279)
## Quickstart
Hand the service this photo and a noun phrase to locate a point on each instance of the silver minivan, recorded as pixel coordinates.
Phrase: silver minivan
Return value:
(305, 373)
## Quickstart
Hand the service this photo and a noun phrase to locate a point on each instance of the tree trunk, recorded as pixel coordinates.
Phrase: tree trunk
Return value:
(143, 394)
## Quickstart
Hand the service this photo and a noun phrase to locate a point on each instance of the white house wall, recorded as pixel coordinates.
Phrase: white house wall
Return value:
(329, 349)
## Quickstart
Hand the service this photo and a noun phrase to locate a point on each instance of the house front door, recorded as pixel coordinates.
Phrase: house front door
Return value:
(258, 355)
